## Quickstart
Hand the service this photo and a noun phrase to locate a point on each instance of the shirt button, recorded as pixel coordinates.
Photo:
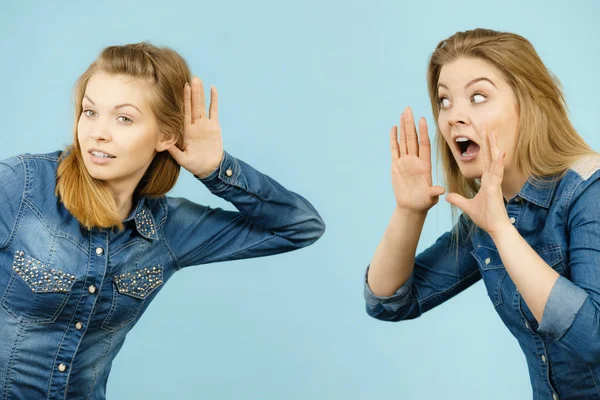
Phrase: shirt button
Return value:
(527, 325)
(543, 358)
(78, 326)
(229, 172)
(554, 396)
(92, 289)
(517, 199)
(487, 261)
(99, 251)
(62, 367)
(512, 220)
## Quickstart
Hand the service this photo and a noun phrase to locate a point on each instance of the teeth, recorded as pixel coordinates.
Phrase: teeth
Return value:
(461, 139)
(98, 154)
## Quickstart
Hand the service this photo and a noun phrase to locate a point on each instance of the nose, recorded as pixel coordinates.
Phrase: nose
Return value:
(458, 115)
(100, 133)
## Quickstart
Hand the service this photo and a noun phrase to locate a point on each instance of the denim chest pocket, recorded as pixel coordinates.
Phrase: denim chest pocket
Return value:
(495, 275)
(131, 290)
(36, 292)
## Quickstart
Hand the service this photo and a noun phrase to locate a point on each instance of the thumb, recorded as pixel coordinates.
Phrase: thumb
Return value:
(457, 200)
(177, 154)
(436, 191)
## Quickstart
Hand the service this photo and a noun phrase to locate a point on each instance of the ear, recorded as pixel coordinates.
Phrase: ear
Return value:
(165, 142)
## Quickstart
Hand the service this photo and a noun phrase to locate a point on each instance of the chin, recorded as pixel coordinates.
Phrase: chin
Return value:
(470, 171)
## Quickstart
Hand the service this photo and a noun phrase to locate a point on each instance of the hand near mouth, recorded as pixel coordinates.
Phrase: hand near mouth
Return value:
(411, 166)
(202, 142)
(487, 208)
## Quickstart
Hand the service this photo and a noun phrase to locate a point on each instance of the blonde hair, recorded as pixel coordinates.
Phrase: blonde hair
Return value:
(89, 199)
(547, 143)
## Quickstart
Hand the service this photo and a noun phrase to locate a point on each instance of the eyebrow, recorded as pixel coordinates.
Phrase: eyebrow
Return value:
(117, 106)
(472, 82)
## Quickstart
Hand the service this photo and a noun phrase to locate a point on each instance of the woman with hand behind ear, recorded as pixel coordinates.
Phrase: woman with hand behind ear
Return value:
(88, 236)
(527, 185)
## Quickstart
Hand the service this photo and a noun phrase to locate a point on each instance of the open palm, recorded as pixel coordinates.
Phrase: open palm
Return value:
(202, 142)
(411, 166)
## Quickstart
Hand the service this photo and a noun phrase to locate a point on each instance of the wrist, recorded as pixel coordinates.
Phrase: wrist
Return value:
(211, 169)
(410, 214)
(502, 230)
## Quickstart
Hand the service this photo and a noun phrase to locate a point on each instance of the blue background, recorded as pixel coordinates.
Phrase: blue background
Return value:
(308, 91)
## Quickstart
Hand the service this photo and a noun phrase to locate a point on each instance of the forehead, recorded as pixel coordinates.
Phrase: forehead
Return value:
(462, 70)
(110, 90)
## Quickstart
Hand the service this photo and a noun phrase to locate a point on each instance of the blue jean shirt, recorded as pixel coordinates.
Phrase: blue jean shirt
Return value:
(560, 219)
(69, 296)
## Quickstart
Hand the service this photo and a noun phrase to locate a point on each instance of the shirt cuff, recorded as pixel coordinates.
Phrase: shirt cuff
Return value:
(389, 303)
(563, 304)
(226, 175)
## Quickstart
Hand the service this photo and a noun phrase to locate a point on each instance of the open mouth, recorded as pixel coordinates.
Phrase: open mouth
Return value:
(466, 147)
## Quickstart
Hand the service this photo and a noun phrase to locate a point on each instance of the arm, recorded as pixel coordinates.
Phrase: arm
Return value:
(12, 178)
(394, 257)
(440, 272)
(571, 316)
(394, 291)
(270, 220)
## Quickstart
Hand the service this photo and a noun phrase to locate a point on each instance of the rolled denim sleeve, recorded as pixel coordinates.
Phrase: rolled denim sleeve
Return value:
(12, 185)
(270, 218)
(564, 303)
(571, 316)
(440, 272)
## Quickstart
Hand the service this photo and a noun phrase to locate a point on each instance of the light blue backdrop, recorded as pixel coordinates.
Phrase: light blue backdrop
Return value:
(308, 90)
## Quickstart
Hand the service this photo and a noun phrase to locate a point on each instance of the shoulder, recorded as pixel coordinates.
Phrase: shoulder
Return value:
(35, 170)
(46, 161)
(586, 167)
(582, 182)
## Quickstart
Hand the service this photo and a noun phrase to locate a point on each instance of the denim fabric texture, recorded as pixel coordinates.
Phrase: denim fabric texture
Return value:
(560, 220)
(69, 296)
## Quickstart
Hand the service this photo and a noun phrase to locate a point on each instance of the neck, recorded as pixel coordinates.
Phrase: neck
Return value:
(123, 199)
(512, 183)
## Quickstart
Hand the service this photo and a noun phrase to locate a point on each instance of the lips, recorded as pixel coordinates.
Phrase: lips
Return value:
(100, 153)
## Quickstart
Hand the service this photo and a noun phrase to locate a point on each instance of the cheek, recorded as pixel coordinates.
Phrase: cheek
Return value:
(81, 130)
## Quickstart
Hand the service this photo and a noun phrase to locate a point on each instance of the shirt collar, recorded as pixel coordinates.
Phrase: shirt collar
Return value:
(539, 191)
(144, 220)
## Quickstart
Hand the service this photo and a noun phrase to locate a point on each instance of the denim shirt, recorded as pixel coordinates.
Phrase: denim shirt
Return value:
(560, 220)
(69, 296)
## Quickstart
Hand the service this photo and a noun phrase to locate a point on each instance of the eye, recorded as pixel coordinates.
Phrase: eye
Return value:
(444, 102)
(89, 113)
(478, 98)
(124, 119)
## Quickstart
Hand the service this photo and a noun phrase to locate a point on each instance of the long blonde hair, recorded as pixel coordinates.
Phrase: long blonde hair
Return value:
(547, 143)
(89, 199)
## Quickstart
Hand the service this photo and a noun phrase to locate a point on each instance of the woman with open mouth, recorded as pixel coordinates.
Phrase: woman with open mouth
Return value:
(528, 188)
(88, 237)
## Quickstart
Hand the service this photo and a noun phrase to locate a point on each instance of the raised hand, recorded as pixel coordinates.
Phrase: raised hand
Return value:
(202, 142)
(487, 208)
(411, 166)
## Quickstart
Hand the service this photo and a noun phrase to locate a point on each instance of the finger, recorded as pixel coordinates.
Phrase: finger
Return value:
(177, 154)
(402, 145)
(412, 144)
(202, 99)
(187, 103)
(498, 169)
(458, 201)
(213, 111)
(395, 150)
(485, 147)
(196, 99)
(424, 143)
